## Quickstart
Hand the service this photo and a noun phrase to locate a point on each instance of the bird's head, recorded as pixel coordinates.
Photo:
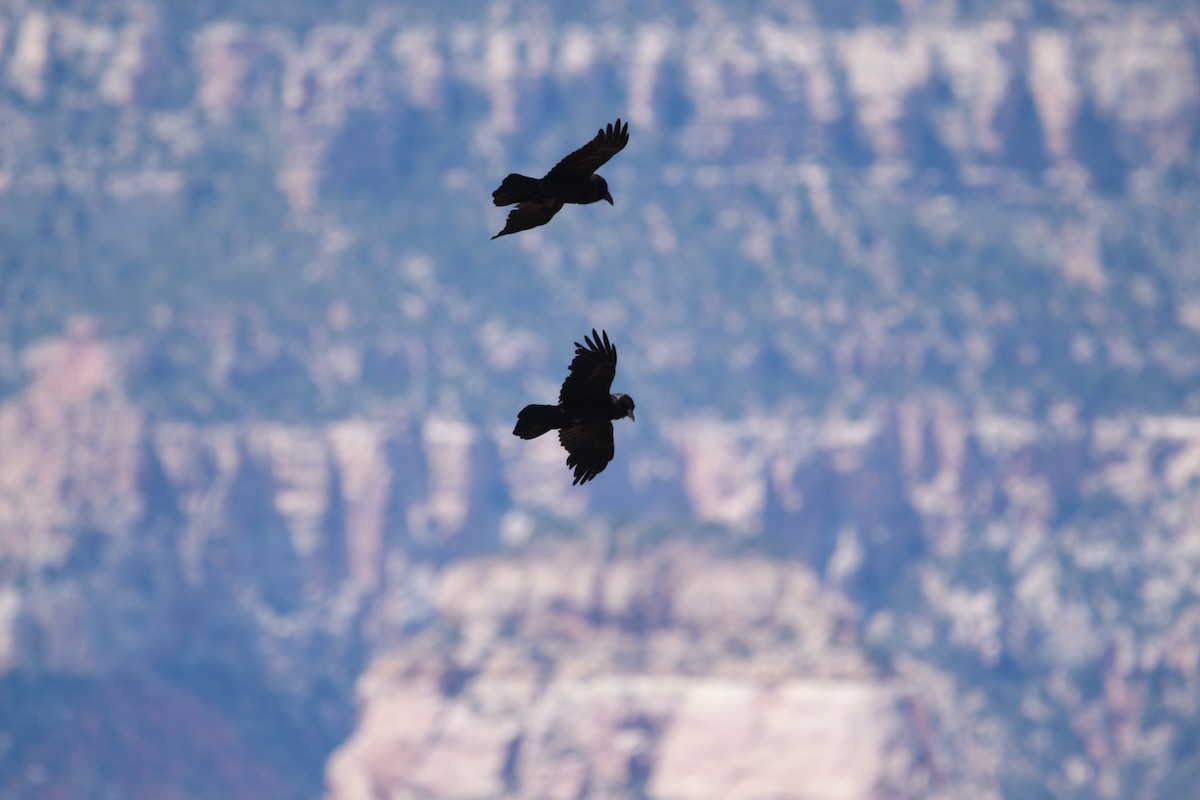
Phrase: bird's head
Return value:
(601, 188)
(625, 403)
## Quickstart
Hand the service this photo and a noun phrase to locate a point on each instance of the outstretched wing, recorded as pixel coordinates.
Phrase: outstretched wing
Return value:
(583, 162)
(589, 449)
(592, 371)
(529, 215)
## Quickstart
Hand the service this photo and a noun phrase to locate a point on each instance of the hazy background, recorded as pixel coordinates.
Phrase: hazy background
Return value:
(908, 295)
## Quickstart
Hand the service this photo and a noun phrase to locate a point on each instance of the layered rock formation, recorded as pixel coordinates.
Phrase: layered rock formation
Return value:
(671, 672)
(936, 94)
(908, 306)
(659, 669)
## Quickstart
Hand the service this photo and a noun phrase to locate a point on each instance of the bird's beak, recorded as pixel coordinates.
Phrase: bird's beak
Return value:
(608, 197)
(632, 418)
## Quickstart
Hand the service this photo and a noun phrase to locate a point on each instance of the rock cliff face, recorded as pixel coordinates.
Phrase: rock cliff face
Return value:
(955, 96)
(668, 673)
(307, 551)
(908, 306)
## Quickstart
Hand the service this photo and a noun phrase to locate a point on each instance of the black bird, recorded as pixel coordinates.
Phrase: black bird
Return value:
(585, 409)
(573, 180)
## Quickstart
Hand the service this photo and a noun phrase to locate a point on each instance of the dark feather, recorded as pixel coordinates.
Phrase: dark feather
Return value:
(529, 215)
(585, 409)
(583, 162)
(592, 369)
(517, 189)
(589, 449)
(573, 180)
(534, 420)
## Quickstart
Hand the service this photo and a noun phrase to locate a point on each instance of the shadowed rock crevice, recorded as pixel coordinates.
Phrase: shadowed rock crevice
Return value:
(260, 548)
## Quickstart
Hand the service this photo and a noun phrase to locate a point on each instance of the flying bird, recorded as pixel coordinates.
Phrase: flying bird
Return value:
(573, 180)
(585, 410)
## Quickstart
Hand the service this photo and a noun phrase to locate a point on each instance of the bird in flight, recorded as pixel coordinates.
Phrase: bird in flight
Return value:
(573, 180)
(585, 409)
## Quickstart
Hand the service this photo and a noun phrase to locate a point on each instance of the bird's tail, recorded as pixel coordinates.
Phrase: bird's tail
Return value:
(534, 420)
(517, 189)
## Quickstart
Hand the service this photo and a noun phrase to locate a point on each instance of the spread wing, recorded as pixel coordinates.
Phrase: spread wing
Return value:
(592, 372)
(530, 215)
(589, 449)
(583, 162)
